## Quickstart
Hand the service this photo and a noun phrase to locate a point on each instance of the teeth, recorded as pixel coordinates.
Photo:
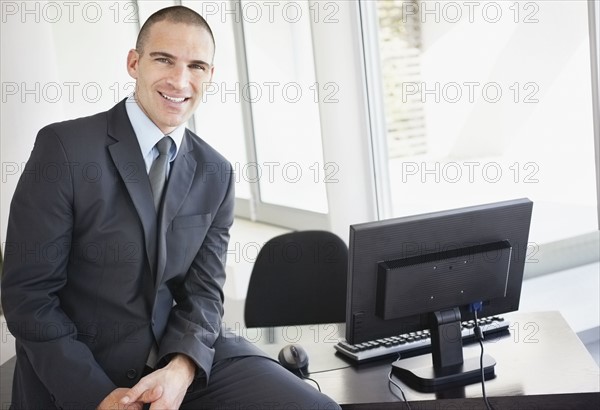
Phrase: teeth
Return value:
(177, 100)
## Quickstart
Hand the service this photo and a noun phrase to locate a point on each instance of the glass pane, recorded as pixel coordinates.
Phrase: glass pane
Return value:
(284, 96)
(218, 119)
(489, 101)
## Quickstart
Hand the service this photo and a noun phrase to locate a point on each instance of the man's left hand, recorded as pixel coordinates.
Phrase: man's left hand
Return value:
(164, 388)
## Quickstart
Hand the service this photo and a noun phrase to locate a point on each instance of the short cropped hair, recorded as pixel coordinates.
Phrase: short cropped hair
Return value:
(174, 14)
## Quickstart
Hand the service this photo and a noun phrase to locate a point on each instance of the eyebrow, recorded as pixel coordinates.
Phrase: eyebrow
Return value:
(172, 57)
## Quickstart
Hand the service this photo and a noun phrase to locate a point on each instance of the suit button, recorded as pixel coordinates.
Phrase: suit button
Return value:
(131, 374)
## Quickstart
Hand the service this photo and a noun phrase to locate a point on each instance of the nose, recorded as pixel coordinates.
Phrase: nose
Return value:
(178, 77)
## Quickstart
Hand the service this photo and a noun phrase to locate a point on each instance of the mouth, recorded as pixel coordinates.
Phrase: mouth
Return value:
(177, 100)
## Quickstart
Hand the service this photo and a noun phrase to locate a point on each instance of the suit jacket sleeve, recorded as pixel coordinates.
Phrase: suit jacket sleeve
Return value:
(195, 321)
(37, 251)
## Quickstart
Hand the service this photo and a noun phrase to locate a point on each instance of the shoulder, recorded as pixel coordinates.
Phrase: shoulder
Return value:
(73, 136)
(79, 126)
(83, 131)
(202, 150)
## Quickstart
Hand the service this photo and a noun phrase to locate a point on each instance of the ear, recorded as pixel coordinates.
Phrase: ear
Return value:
(212, 72)
(133, 58)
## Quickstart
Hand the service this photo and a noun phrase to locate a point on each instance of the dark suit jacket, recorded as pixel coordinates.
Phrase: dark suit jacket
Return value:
(93, 277)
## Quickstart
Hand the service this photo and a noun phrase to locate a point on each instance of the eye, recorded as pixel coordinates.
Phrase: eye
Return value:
(201, 67)
(163, 60)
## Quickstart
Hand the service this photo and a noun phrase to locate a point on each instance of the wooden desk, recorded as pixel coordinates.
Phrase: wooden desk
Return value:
(540, 356)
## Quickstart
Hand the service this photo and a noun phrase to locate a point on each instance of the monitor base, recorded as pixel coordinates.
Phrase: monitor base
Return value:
(419, 373)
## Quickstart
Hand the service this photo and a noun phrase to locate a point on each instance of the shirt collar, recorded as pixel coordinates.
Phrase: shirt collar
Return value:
(147, 133)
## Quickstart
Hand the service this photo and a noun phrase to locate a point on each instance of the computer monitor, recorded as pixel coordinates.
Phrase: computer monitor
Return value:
(428, 272)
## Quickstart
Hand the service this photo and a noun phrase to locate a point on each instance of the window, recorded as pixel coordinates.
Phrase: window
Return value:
(262, 111)
(486, 101)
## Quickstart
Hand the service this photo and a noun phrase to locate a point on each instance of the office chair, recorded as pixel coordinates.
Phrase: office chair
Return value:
(298, 278)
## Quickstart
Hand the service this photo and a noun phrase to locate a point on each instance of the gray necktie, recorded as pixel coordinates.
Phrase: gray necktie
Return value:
(158, 170)
(158, 177)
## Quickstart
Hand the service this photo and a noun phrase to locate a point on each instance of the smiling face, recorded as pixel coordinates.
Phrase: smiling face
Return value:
(171, 72)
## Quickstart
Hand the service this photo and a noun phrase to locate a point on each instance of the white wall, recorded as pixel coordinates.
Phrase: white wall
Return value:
(59, 61)
(21, 115)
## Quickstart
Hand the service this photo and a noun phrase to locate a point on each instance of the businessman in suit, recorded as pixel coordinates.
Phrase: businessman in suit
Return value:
(113, 277)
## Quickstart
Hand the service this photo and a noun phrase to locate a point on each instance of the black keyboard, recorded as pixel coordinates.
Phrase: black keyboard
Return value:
(415, 342)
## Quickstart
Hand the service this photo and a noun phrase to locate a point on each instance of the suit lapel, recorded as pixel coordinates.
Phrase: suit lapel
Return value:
(127, 156)
(177, 189)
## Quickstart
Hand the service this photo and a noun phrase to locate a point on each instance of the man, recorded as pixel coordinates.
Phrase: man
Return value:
(113, 284)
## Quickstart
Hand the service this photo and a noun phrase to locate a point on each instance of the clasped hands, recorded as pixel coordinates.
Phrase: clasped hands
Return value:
(164, 388)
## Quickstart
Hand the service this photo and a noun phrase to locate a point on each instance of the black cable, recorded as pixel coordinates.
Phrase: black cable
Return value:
(308, 378)
(398, 386)
(479, 335)
(331, 370)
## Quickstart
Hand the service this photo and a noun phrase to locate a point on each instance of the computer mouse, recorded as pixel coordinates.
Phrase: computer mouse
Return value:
(294, 358)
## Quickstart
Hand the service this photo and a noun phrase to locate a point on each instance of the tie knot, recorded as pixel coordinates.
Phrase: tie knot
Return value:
(164, 145)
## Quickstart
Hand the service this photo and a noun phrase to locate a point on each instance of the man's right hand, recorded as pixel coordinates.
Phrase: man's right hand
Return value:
(113, 401)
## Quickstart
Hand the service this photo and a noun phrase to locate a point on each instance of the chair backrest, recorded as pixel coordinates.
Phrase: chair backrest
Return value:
(298, 278)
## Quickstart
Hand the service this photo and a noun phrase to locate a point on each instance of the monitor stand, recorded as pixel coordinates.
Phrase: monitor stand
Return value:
(448, 368)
